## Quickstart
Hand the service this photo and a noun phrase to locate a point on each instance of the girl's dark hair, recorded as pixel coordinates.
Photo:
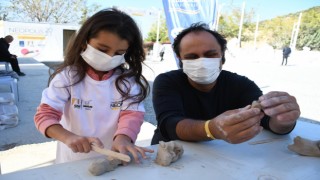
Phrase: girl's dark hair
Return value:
(121, 24)
(197, 27)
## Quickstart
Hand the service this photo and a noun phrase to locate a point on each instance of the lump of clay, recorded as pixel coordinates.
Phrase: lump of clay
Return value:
(103, 165)
(305, 147)
(168, 152)
(256, 104)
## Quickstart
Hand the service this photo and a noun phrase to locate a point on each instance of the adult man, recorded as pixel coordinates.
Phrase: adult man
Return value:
(6, 56)
(286, 52)
(162, 52)
(200, 102)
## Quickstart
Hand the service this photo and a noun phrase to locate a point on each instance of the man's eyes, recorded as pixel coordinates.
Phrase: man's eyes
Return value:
(212, 55)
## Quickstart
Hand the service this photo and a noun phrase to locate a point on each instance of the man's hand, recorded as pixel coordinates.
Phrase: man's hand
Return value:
(283, 110)
(237, 126)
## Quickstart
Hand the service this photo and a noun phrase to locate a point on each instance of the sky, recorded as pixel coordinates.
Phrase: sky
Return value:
(266, 9)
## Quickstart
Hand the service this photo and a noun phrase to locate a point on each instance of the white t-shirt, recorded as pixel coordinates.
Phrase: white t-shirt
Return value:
(90, 108)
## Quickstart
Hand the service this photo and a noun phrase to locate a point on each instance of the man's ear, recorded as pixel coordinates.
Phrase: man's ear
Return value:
(180, 62)
(223, 59)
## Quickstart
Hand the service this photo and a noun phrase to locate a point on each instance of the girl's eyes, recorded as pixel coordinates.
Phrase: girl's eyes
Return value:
(102, 50)
(120, 53)
(107, 52)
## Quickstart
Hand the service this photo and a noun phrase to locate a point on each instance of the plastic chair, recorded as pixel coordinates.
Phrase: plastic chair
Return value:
(13, 83)
(6, 64)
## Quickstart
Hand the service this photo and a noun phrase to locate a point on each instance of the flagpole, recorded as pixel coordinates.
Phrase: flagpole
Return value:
(241, 22)
(297, 32)
(156, 45)
(256, 33)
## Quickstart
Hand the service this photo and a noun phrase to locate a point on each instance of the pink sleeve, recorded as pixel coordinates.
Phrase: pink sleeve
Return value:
(130, 123)
(46, 116)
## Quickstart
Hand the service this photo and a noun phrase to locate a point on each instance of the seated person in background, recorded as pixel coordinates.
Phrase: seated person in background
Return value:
(7, 57)
(203, 102)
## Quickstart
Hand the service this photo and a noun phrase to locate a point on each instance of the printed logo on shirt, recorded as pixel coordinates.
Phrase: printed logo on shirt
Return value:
(79, 104)
(87, 105)
(115, 105)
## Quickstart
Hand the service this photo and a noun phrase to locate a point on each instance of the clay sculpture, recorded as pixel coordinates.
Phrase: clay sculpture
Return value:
(103, 165)
(305, 147)
(168, 152)
(256, 104)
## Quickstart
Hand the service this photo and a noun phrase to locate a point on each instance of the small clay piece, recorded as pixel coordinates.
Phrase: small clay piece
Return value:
(168, 152)
(102, 165)
(305, 147)
(256, 104)
(265, 141)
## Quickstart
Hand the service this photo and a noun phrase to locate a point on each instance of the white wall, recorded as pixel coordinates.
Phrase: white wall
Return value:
(42, 41)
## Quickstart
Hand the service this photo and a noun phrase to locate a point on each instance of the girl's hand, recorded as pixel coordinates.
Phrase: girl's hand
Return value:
(81, 144)
(123, 144)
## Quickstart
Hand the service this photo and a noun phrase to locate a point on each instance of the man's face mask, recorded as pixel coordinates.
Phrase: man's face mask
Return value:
(202, 70)
(101, 61)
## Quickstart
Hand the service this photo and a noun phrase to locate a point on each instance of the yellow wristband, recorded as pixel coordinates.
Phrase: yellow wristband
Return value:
(206, 128)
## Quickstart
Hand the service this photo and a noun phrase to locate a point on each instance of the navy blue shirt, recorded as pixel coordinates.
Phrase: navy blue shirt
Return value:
(174, 99)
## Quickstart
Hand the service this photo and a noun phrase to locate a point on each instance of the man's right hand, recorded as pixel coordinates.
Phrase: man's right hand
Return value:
(237, 126)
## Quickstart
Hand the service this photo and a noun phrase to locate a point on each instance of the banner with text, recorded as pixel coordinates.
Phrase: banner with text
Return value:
(180, 14)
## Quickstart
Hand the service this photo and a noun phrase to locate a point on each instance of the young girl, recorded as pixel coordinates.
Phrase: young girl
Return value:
(96, 95)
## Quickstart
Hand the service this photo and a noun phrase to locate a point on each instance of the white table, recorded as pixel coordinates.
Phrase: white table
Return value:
(207, 160)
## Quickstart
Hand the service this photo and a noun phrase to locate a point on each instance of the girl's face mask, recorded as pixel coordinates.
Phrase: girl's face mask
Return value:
(202, 70)
(101, 61)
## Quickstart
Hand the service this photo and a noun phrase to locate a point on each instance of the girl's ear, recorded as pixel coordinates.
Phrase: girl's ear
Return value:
(84, 47)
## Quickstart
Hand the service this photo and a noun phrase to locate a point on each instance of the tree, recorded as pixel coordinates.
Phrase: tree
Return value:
(163, 32)
(309, 34)
(87, 11)
(229, 24)
(55, 11)
(277, 31)
(3, 13)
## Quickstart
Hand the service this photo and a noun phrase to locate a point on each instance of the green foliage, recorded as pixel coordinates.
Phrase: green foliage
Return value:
(229, 25)
(86, 11)
(163, 32)
(309, 34)
(278, 31)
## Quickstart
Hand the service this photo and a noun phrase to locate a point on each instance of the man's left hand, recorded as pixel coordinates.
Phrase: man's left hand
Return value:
(281, 107)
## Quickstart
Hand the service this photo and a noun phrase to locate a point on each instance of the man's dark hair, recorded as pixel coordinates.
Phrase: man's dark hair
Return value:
(198, 27)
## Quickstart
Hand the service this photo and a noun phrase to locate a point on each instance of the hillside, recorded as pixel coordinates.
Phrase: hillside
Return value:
(278, 31)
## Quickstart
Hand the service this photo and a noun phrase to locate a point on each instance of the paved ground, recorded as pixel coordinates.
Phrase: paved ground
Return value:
(23, 147)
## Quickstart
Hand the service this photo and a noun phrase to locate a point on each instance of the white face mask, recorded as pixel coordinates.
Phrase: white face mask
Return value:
(202, 70)
(101, 61)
